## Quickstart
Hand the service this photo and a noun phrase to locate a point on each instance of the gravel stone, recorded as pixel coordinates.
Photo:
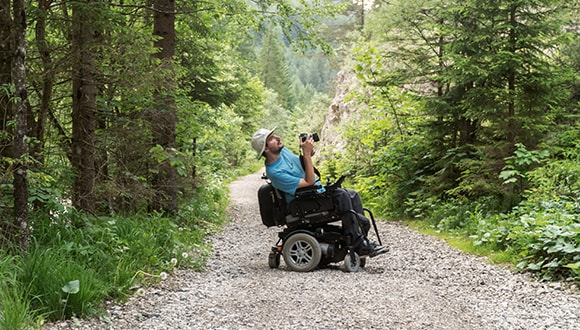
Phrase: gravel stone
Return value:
(422, 283)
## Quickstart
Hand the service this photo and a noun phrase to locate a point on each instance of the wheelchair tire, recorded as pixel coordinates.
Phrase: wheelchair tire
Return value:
(301, 252)
(350, 265)
(273, 260)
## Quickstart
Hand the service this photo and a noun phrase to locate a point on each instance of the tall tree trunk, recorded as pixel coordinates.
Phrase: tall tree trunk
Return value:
(47, 81)
(467, 128)
(511, 75)
(6, 57)
(6, 115)
(84, 106)
(164, 114)
(20, 148)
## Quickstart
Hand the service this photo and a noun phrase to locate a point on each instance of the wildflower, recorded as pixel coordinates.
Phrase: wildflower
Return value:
(163, 276)
(174, 261)
(140, 292)
(184, 255)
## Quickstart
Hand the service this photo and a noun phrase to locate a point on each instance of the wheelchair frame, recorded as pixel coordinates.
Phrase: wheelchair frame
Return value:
(309, 239)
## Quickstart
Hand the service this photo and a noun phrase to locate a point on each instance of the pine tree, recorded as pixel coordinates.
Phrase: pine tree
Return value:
(273, 69)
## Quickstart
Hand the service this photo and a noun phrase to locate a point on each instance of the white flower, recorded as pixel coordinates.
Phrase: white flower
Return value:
(163, 276)
(184, 255)
(174, 261)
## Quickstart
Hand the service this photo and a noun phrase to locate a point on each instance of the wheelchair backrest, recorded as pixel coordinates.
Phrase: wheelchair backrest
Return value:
(306, 209)
(272, 206)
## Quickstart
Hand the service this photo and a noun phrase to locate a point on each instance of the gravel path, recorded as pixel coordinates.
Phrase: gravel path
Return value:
(420, 284)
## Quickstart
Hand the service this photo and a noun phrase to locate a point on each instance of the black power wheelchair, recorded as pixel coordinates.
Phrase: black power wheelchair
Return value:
(309, 239)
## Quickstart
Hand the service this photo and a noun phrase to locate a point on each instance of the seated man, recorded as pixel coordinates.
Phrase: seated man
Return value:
(288, 174)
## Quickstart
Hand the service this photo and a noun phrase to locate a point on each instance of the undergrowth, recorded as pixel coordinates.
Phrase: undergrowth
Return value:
(542, 239)
(76, 261)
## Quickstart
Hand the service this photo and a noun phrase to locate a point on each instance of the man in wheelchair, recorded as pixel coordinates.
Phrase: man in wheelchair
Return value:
(291, 174)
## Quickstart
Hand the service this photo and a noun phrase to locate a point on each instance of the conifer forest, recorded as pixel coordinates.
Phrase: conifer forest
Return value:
(122, 121)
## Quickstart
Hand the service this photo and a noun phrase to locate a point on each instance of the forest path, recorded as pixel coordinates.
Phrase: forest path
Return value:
(421, 283)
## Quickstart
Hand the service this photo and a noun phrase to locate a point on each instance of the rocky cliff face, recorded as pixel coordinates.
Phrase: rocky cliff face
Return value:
(339, 113)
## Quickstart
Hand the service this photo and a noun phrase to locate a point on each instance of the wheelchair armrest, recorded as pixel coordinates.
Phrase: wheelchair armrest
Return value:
(336, 185)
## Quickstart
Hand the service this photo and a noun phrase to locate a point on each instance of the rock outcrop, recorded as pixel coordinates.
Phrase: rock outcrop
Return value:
(339, 113)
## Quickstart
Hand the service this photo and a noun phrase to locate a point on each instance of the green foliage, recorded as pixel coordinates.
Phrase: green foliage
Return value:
(312, 73)
(273, 69)
(76, 260)
(558, 180)
(550, 244)
(545, 238)
(169, 155)
(397, 186)
(522, 161)
(482, 92)
(299, 21)
(542, 234)
(15, 312)
(214, 143)
(46, 271)
(467, 118)
(389, 161)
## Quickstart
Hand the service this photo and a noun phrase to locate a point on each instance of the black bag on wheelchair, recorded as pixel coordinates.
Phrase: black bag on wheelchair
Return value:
(272, 206)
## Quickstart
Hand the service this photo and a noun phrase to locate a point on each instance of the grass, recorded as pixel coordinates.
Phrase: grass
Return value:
(466, 244)
(76, 261)
(15, 311)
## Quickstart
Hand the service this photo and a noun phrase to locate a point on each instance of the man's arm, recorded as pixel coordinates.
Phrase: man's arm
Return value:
(307, 151)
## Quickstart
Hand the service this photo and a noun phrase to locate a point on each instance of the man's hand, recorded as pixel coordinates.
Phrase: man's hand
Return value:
(307, 146)
(307, 150)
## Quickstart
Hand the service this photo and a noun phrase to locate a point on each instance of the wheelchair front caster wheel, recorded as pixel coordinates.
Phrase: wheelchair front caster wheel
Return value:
(363, 262)
(352, 265)
(274, 260)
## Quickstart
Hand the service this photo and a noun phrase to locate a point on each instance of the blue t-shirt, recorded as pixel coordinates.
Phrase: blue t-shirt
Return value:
(286, 172)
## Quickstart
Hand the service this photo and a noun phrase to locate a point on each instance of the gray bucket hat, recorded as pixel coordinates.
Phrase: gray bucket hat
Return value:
(259, 140)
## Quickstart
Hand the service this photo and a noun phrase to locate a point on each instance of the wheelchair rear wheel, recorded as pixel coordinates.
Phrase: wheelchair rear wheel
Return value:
(301, 252)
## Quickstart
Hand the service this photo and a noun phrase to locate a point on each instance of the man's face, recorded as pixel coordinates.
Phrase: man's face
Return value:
(274, 144)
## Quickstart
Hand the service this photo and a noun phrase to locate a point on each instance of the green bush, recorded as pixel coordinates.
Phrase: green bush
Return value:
(547, 233)
(545, 238)
(548, 242)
